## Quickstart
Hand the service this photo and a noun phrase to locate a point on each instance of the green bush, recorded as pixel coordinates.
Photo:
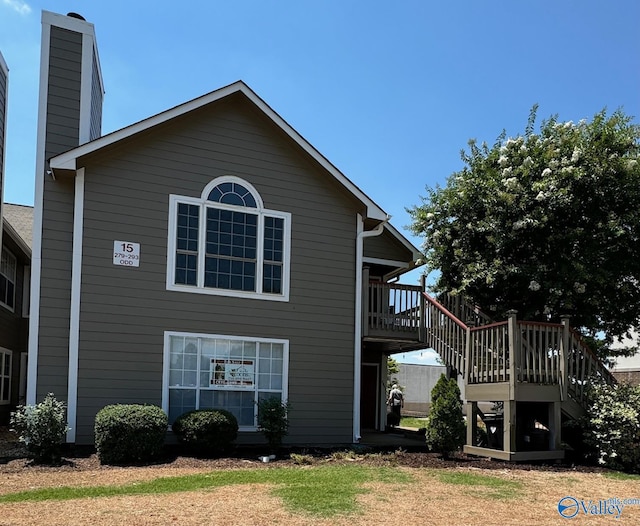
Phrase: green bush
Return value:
(206, 430)
(41, 428)
(130, 433)
(612, 426)
(272, 420)
(446, 430)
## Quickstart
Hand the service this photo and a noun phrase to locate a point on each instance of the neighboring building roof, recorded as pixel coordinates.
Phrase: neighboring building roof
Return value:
(18, 220)
(627, 363)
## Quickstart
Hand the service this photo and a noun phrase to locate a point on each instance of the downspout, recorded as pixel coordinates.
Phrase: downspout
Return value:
(361, 234)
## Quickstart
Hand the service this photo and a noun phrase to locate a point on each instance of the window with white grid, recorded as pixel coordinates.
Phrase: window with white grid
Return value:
(5, 376)
(227, 243)
(8, 279)
(223, 372)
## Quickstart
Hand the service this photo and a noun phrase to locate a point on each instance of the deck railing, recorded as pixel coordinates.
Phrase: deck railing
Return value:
(489, 354)
(463, 310)
(525, 351)
(394, 308)
(446, 334)
(540, 352)
(583, 367)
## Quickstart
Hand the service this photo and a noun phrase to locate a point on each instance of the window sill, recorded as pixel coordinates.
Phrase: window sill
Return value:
(9, 308)
(227, 293)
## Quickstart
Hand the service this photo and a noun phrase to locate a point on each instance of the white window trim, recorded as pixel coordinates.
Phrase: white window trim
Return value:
(4, 351)
(14, 280)
(166, 362)
(174, 200)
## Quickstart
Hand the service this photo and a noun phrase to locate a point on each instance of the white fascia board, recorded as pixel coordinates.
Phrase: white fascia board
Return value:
(67, 22)
(13, 234)
(67, 160)
(386, 262)
(3, 64)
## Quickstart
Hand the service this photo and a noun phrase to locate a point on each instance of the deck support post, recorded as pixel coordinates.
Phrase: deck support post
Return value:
(509, 423)
(472, 423)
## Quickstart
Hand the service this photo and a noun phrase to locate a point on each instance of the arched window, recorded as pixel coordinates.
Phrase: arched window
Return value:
(226, 242)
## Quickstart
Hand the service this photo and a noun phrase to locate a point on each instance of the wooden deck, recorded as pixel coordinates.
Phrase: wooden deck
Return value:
(392, 316)
(537, 372)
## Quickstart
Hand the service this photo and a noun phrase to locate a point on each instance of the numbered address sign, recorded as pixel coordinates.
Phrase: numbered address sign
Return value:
(126, 253)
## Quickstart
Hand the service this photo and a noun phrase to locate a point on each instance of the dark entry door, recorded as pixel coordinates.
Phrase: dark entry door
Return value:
(369, 396)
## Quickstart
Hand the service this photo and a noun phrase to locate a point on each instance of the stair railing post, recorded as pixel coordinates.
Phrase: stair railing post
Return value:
(423, 309)
(514, 346)
(564, 357)
(466, 366)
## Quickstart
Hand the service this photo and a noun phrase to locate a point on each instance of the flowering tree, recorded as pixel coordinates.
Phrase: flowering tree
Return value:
(547, 223)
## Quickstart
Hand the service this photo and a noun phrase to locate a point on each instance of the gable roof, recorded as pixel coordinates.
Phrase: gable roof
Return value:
(68, 160)
(18, 222)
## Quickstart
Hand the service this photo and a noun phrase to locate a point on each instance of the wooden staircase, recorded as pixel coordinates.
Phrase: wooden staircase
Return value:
(538, 373)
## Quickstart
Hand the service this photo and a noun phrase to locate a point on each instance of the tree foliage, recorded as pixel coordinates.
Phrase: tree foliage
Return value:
(546, 223)
(612, 426)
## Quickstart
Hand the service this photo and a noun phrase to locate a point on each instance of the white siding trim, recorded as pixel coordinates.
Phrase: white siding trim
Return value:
(74, 319)
(36, 251)
(67, 22)
(3, 65)
(3, 146)
(357, 354)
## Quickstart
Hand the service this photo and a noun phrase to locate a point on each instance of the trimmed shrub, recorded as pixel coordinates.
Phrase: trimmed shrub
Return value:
(206, 430)
(446, 430)
(41, 428)
(130, 433)
(272, 420)
(612, 426)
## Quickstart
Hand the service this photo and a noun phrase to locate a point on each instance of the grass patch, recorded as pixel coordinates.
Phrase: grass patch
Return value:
(484, 485)
(323, 491)
(619, 475)
(408, 421)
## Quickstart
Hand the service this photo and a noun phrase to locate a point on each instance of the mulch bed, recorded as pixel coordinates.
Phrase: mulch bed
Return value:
(13, 459)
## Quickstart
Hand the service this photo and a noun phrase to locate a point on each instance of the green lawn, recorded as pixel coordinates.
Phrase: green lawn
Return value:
(408, 421)
(323, 491)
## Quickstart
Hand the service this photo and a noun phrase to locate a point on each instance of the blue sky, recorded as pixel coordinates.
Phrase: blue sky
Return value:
(389, 92)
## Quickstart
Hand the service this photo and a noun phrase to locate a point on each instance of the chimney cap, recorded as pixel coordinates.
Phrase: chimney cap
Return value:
(76, 15)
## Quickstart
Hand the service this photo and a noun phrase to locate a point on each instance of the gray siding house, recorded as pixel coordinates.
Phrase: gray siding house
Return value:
(15, 272)
(207, 256)
(15, 262)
